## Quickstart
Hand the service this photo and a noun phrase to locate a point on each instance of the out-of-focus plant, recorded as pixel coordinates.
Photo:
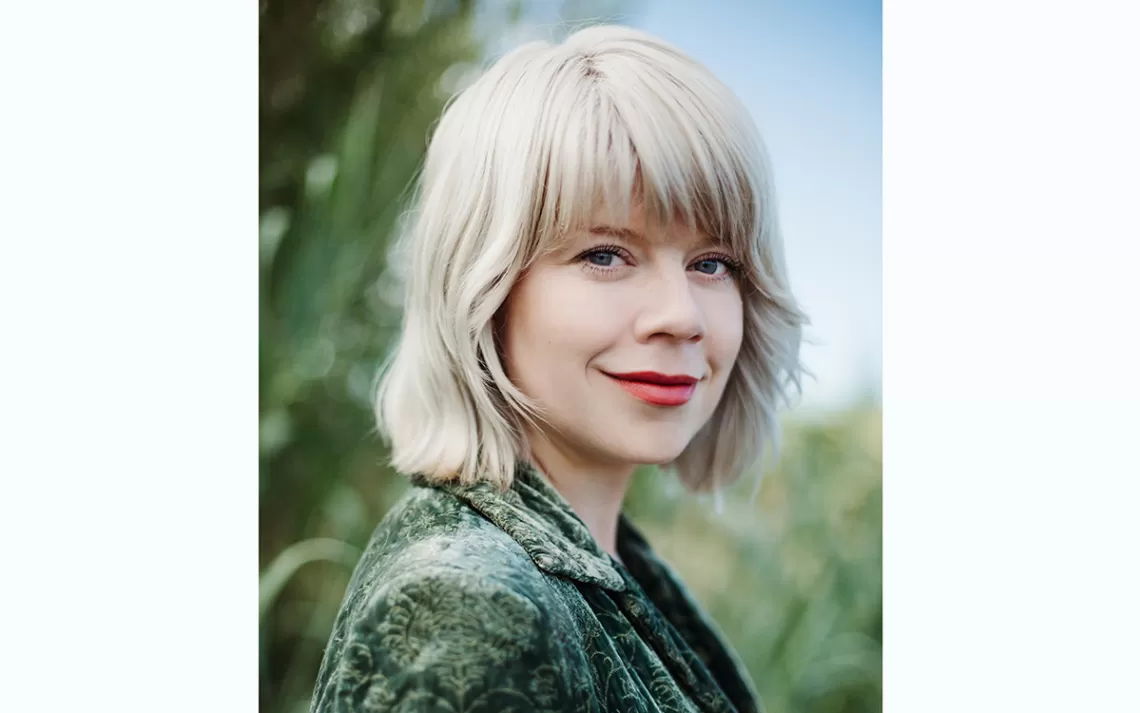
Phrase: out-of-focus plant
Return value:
(793, 577)
(349, 90)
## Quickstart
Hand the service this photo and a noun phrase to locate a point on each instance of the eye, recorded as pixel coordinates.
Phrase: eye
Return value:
(709, 266)
(604, 257)
(715, 266)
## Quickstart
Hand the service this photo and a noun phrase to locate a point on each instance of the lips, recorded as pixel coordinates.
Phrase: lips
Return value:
(656, 388)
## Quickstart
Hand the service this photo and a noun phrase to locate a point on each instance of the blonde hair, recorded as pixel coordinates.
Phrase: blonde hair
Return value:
(519, 159)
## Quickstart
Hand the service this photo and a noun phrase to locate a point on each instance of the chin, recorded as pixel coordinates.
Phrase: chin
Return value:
(656, 453)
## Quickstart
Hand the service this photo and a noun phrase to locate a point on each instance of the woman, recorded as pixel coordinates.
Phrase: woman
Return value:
(595, 281)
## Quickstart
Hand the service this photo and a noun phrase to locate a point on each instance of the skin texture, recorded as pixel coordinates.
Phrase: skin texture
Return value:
(619, 297)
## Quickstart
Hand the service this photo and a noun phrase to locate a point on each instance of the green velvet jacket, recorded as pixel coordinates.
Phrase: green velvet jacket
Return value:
(471, 600)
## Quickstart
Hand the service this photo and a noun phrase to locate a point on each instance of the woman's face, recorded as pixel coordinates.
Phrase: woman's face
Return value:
(625, 337)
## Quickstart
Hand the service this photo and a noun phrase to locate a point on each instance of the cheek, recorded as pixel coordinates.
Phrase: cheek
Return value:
(725, 329)
(552, 325)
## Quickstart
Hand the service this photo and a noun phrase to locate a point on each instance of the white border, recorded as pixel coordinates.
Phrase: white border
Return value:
(128, 284)
(1011, 246)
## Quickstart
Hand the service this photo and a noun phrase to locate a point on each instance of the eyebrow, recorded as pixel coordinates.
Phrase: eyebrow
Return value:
(623, 233)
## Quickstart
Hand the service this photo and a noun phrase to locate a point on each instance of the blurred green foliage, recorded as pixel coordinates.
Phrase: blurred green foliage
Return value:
(794, 575)
(349, 91)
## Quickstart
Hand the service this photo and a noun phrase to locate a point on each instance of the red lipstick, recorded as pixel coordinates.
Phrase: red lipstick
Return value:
(656, 388)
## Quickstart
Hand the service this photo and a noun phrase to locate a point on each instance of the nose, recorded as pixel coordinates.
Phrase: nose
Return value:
(670, 309)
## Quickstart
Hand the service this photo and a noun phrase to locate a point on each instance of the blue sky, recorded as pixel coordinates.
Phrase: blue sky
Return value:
(810, 73)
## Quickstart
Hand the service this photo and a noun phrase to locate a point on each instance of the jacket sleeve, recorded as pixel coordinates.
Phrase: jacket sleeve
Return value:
(445, 641)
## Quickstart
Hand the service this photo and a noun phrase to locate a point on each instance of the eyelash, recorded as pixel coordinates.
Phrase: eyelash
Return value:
(602, 249)
(732, 267)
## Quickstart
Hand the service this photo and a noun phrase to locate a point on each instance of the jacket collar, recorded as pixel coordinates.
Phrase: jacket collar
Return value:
(536, 516)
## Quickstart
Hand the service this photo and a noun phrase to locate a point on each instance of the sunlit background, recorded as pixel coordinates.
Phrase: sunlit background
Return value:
(349, 91)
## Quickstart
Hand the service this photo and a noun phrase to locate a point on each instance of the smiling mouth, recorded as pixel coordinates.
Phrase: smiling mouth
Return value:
(657, 389)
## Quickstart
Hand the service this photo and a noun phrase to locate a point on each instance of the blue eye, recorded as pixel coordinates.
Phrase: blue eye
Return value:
(605, 257)
(601, 258)
(711, 266)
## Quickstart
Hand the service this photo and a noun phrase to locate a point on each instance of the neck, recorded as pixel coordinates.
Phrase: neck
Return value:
(595, 492)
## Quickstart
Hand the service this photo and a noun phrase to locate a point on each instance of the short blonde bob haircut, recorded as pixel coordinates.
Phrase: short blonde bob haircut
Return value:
(545, 138)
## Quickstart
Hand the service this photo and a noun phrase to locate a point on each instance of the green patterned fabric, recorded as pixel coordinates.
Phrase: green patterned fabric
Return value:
(471, 600)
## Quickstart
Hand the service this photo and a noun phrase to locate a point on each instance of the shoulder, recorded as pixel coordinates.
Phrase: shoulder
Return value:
(442, 639)
(432, 536)
(443, 605)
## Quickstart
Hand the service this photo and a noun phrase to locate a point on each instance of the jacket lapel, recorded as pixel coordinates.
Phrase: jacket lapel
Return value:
(688, 640)
(646, 592)
(543, 523)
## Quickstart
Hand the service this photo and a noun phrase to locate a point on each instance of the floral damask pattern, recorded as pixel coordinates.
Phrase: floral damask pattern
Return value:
(468, 600)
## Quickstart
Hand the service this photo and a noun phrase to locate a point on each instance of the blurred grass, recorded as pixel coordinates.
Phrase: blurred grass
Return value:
(794, 578)
(348, 93)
